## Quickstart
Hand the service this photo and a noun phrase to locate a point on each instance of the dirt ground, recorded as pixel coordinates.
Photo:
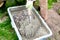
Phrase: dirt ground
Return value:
(3, 19)
(53, 22)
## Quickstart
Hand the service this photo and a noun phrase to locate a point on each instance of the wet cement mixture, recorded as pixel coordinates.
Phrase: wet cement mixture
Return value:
(29, 26)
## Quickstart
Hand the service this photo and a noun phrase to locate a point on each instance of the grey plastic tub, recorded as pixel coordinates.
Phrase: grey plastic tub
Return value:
(19, 8)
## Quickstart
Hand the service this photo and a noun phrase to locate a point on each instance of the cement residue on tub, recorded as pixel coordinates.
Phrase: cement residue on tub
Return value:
(28, 28)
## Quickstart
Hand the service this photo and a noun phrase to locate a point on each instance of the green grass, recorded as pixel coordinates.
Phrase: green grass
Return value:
(37, 2)
(50, 3)
(6, 31)
(3, 14)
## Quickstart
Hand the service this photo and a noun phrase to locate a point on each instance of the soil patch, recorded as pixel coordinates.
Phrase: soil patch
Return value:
(54, 23)
(3, 19)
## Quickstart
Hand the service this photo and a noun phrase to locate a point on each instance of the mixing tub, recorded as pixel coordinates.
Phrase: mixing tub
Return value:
(14, 10)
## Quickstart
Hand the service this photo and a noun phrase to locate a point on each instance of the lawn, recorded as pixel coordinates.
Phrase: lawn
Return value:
(6, 30)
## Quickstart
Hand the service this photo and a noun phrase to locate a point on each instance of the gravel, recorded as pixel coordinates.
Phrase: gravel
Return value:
(29, 26)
